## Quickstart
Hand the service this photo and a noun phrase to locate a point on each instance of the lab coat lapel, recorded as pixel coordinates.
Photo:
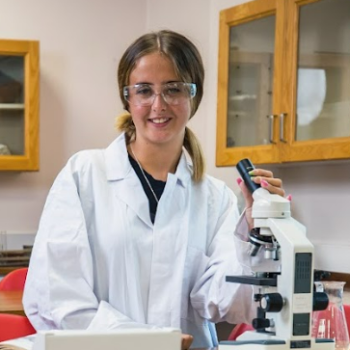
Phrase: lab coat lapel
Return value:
(124, 181)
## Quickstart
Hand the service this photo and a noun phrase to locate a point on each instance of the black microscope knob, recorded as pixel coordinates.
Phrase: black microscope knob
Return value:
(320, 301)
(261, 323)
(271, 302)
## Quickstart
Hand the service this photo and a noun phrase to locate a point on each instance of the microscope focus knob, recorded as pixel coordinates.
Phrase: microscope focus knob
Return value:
(271, 302)
(320, 301)
(261, 323)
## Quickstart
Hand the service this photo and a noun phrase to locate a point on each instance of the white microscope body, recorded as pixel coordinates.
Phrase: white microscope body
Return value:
(286, 302)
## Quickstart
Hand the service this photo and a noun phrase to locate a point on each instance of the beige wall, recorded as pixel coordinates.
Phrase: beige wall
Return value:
(321, 191)
(81, 43)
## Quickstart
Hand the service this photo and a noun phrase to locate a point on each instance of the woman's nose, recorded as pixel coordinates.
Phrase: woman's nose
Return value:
(159, 102)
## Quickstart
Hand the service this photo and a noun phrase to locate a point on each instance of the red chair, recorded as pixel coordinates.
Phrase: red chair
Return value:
(347, 316)
(239, 329)
(14, 280)
(14, 326)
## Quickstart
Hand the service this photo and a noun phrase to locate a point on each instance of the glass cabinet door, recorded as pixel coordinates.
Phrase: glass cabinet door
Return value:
(11, 105)
(317, 103)
(19, 105)
(323, 76)
(250, 83)
(247, 77)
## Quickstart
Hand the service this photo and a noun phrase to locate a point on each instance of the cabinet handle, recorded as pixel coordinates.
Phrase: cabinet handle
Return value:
(270, 117)
(282, 139)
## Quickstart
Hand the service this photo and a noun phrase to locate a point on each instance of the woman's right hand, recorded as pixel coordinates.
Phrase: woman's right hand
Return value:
(186, 341)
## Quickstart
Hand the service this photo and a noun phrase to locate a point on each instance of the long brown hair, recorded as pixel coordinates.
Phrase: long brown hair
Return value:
(189, 67)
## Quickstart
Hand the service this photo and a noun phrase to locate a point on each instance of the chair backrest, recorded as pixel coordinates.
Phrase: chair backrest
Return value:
(347, 316)
(14, 326)
(239, 329)
(14, 280)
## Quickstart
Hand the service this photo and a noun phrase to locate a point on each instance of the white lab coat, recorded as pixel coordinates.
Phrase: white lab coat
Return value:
(99, 263)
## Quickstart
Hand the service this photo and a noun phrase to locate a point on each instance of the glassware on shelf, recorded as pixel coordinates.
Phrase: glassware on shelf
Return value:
(4, 150)
(331, 323)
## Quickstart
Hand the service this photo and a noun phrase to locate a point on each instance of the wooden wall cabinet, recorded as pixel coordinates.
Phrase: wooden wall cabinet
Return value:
(19, 105)
(284, 82)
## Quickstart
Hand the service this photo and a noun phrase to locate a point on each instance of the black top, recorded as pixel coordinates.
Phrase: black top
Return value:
(157, 185)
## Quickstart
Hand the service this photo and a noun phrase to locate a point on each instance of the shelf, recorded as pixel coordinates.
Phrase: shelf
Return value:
(243, 97)
(238, 114)
(16, 106)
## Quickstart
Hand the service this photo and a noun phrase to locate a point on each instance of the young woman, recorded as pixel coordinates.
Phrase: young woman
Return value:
(137, 235)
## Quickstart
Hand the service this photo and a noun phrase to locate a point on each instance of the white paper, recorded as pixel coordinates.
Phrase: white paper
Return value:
(24, 342)
(311, 94)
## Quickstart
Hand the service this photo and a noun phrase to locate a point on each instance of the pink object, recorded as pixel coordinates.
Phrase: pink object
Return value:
(14, 326)
(264, 183)
(239, 329)
(347, 316)
(14, 280)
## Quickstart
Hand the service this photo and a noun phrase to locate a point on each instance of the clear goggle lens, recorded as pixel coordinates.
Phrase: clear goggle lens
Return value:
(173, 93)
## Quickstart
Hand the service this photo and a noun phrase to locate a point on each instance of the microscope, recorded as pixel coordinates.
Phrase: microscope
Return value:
(284, 294)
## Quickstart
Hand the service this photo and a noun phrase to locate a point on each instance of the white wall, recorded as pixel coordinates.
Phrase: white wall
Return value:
(321, 191)
(191, 18)
(81, 43)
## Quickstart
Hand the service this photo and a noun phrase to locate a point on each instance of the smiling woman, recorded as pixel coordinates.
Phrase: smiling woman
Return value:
(161, 59)
(137, 235)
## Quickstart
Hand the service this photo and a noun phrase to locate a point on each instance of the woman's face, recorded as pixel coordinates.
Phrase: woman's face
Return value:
(159, 123)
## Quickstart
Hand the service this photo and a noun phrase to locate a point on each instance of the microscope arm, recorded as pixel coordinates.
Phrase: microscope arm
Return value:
(295, 281)
(286, 304)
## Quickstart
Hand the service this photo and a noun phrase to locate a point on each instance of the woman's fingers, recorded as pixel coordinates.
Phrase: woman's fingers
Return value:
(266, 180)
(261, 172)
(272, 188)
(270, 180)
(186, 341)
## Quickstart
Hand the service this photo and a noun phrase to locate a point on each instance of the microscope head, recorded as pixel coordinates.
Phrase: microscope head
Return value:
(266, 205)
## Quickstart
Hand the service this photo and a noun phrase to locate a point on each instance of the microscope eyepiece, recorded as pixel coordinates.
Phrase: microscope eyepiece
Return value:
(244, 166)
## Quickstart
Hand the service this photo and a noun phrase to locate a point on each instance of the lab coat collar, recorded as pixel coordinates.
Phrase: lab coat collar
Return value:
(118, 165)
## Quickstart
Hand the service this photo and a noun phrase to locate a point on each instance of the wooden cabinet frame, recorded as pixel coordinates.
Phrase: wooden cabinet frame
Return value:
(247, 12)
(30, 51)
(284, 147)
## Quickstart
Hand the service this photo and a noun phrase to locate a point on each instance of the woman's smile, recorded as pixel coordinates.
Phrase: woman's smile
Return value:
(159, 120)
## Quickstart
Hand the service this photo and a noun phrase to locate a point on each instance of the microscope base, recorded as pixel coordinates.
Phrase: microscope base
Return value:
(285, 346)
(256, 341)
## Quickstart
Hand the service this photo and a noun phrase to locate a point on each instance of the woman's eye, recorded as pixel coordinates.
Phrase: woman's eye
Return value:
(172, 91)
(144, 91)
